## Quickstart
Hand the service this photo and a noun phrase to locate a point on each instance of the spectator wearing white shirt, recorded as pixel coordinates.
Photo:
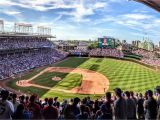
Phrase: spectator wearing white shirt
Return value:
(6, 107)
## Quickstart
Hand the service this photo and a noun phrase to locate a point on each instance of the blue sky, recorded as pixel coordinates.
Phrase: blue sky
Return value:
(85, 19)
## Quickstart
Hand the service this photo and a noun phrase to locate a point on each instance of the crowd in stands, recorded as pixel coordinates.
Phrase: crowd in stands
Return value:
(20, 43)
(152, 62)
(149, 57)
(79, 52)
(12, 64)
(123, 105)
(144, 53)
(19, 54)
(108, 52)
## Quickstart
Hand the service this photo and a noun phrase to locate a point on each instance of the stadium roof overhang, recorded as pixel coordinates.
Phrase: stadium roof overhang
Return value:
(13, 34)
(155, 4)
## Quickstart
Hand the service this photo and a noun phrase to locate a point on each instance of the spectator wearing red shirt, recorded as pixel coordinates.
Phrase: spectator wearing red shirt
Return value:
(34, 108)
(50, 112)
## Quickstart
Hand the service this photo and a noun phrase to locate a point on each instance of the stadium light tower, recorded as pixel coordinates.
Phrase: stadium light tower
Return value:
(23, 28)
(1, 26)
(42, 30)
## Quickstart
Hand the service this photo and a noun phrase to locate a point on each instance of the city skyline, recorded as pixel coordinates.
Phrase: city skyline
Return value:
(85, 19)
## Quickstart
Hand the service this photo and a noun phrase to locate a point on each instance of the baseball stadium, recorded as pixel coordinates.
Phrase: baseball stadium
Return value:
(78, 72)
(34, 64)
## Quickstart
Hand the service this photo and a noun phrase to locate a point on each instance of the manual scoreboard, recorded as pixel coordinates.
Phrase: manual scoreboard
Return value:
(106, 42)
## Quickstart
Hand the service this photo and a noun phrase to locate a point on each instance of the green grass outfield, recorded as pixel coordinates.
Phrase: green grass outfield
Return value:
(124, 74)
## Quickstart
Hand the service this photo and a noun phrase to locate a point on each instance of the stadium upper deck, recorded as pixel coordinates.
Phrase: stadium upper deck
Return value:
(15, 34)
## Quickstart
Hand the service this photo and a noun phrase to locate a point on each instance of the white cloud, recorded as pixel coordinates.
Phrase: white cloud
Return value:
(44, 5)
(39, 5)
(100, 5)
(80, 8)
(11, 12)
(139, 23)
(83, 9)
(136, 16)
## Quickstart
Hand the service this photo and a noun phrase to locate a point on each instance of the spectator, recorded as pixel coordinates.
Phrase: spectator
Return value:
(34, 108)
(133, 97)
(150, 106)
(83, 114)
(26, 101)
(64, 104)
(123, 107)
(88, 111)
(56, 103)
(109, 101)
(131, 106)
(106, 108)
(68, 114)
(96, 106)
(98, 114)
(19, 113)
(75, 108)
(14, 101)
(50, 112)
(140, 108)
(6, 107)
(105, 114)
(22, 98)
(45, 104)
(134, 100)
(10, 96)
(120, 105)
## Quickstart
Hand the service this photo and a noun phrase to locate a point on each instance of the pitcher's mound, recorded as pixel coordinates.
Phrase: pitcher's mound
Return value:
(56, 78)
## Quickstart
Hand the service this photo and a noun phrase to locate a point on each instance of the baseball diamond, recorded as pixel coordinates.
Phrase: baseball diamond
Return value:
(125, 74)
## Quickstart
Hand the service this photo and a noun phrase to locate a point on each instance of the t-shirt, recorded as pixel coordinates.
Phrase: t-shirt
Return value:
(120, 108)
(151, 108)
(6, 109)
(140, 108)
(56, 103)
(34, 108)
(45, 104)
(50, 112)
(131, 108)
(15, 104)
(75, 110)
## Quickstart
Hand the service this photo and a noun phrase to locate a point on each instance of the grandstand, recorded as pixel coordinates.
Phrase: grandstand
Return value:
(22, 50)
